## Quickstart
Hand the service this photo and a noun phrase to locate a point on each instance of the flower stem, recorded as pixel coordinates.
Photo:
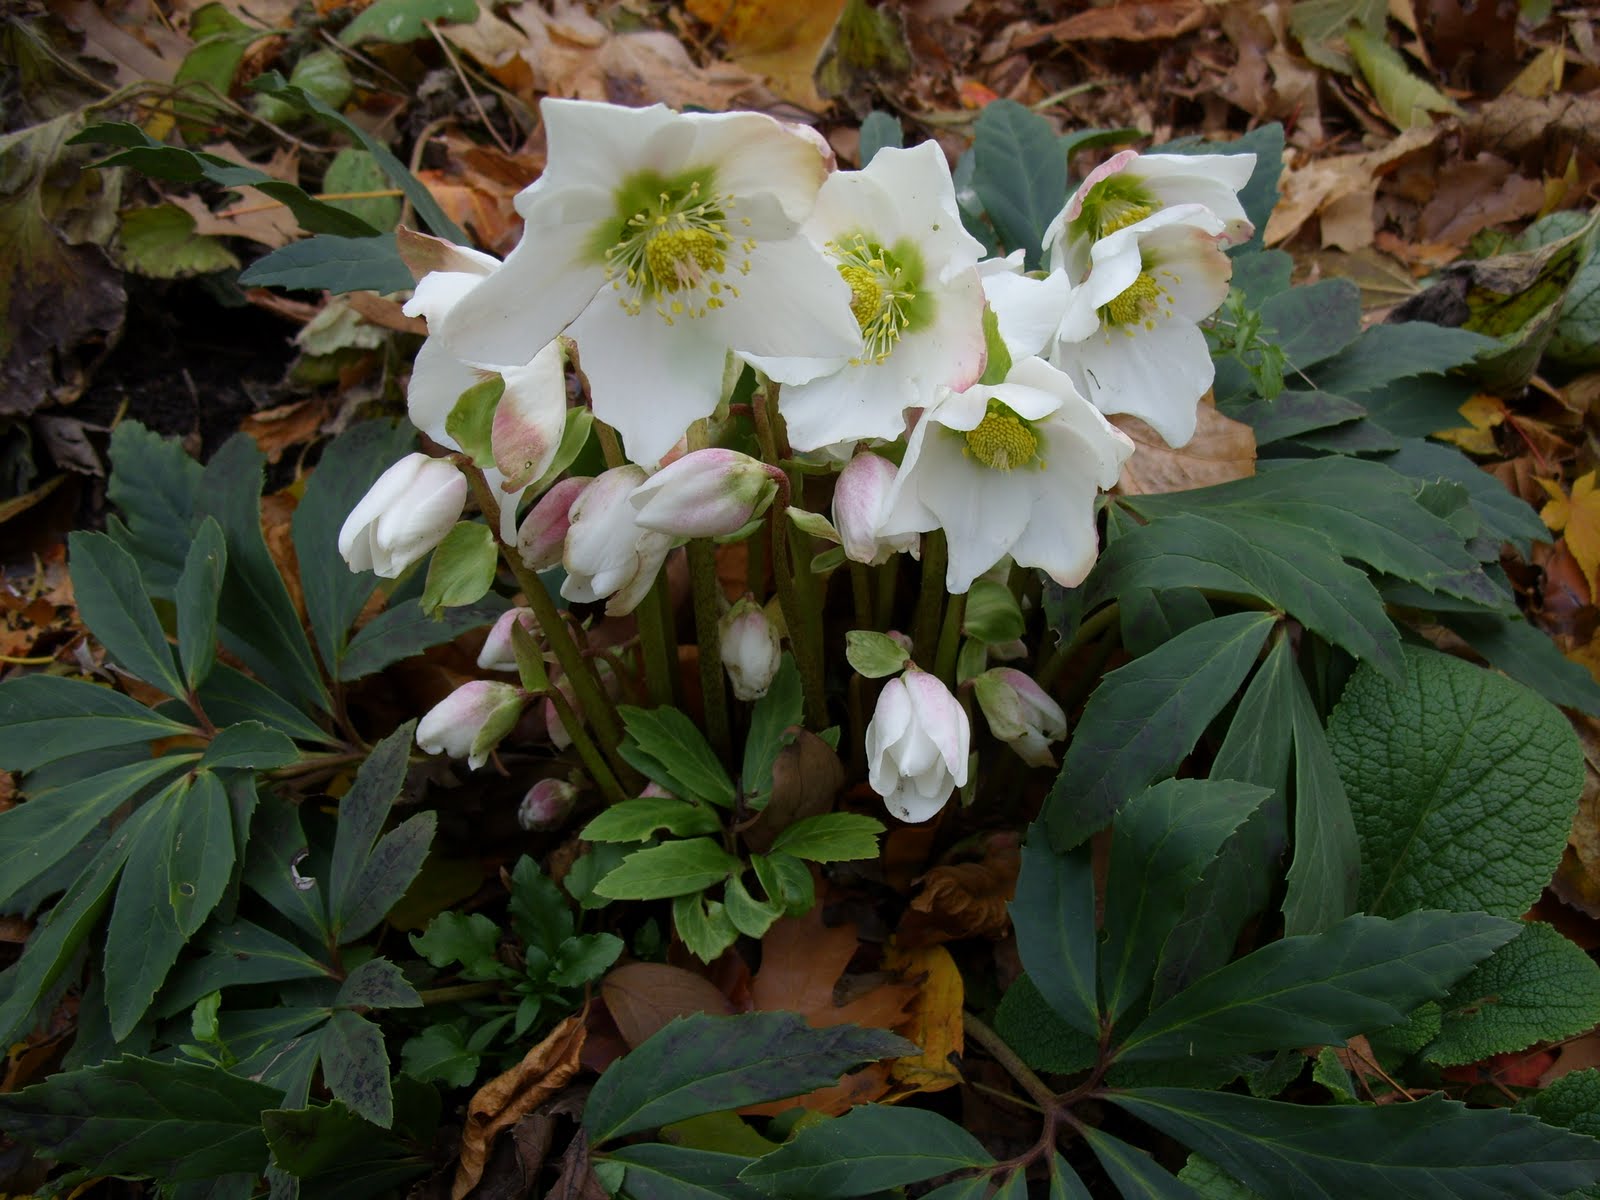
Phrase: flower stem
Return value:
(1090, 629)
(888, 583)
(785, 570)
(706, 590)
(651, 616)
(593, 760)
(1007, 1058)
(944, 666)
(930, 599)
(861, 594)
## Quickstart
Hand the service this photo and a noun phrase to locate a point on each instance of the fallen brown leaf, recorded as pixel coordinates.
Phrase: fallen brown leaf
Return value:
(1222, 449)
(778, 40)
(806, 779)
(1155, 20)
(935, 1023)
(507, 1098)
(643, 996)
(1578, 518)
(278, 429)
(967, 899)
(1310, 186)
(1514, 125)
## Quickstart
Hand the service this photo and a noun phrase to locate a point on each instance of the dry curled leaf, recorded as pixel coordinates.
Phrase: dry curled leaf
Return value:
(1577, 519)
(1222, 449)
(965, 899)
(506, 1099)
(935, 1024)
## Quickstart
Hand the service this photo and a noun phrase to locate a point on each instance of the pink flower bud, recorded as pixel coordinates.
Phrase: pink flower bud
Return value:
(608, 555)
(497, 653)
(404, 515)
(708, 493)
(546, 806)
(859, 506)
(544, 529)
(917, 744)
(470, 721)
(1021, 713)
(750, 651)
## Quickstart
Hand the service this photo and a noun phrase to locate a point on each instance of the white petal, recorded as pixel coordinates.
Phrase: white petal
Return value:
(438, 291)
(982, 511)
(437, 380)
(756, 155)
(792, 303)
(865, 401)
(1061, 539)
(530, 418)
(595, 144)
(1029, 311)
(1157, 375)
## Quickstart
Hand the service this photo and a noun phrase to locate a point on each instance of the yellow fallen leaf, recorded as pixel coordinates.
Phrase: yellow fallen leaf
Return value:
(1577, 518)
(935, 1018)
(776, 39)
(1483, 413)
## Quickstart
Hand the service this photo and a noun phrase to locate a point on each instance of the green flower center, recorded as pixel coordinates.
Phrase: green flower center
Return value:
(1002, 441)
(1112, 204)
(670, 245)
(885, 292)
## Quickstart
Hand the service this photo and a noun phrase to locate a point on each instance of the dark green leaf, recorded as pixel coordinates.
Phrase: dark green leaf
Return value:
(349, 466)
(539, 913)
(1291, 413)
(870, 1148)
(1385, 353)
(671, 869)
(362, 813)
(1260, 274)
(1296, 569)
(667, 746)
(1145, 717)
(111, 599)
(1136, 1174)
(440, 1052)
(333, 264)
(153, 484)
(1432, 1149)
(1572, 1102)
(355, 1066)
(46, 717)
(1054, 917)
(240, 953)
(1064, 1181)
(1020, 174)
(1319, 989)
(377, 983)
(336, 1155)
(1039, 1035)
(582, 959)
(701, 1064)
(661, 1172)
(393, 864)
(1462, 784)
(1149, 617)
(1506, 517)
(1313, 323)
(771, 717)
(231, 697)
(249, 745)
(200, 853)
(258, 619)
(466, 938)
(880, 129)
(1161, 842)
(973, 1187)
(1528, 655)
(196, 601)
(406, 629)
(279, 869)
(35, 836)
(1323, 877)
(173, 1120)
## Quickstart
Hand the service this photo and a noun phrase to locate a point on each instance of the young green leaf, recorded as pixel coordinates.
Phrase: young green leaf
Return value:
(637, 820)
(831, 837)
(1144, 717)
(1433, 1149)
(462, 568)
(331, 263)
(672, 869)
(333, 1154)
(1462, 784)
(407, 629)
(871, 1148)
(1363, 974)
(992, 614)
(785, 878)
(704, 925)
(666, 746)
(1161, 842)
(466, 938)
(110, 597)
(196, 601)
(701, 1064)
(579, 960)
(539, 912)
(471, 420)
(1054, 916)
(873, 655)
(402, 21)
(748, 915)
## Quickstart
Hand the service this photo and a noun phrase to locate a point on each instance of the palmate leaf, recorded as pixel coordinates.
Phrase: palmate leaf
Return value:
(1433, 1149)
(153, 485)
(1363, 974)
(666, 746)
(702, 1064)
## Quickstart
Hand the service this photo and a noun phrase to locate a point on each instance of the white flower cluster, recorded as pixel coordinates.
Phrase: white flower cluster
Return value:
(958, 395)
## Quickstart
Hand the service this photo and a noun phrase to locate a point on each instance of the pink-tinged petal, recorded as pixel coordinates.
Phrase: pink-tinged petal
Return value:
(904, 511)
(426, 255)
(437, 380)
(791, 304)
(544, 532)
(650, 553)
(649, 380)
(756, 155)
(1114, 165)
(707, 493)
(859, 502)
(1187, 263)
(1029, 311)
(498, 653)
(1157, 375)
(941, 715)
(530, 418)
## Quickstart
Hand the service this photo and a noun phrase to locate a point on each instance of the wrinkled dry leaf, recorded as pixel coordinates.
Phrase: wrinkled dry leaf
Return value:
(1312, 185)
(1512, 125)
(132, 37)
(966, 899)
(1222, 449)
(643, 996)
(1151, 21)
(506, 1099)
(935, 1023)
(1475, 195)
(288, 425)
(776, 39)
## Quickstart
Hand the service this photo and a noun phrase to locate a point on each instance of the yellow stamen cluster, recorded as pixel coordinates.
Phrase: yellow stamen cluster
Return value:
(675, 255)
(1122, 217)
(1003, 440)
(879, 295)
(1138, 304)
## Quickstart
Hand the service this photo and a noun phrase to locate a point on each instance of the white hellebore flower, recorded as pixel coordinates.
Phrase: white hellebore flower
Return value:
(860, 503)
(531, 413)
(1128, 187)
(917, 743)
(1130, 338)
(1010, 468)
(660, 241)
(608, 554)
(750, 649)
(1021, 713)
(894, 232)
(470, 721)
(405, 514)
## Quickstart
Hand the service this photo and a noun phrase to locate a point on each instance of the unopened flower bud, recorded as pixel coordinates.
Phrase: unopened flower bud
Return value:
(405, 514)
(750, 649)
(709, 493)
(1021, 713)
(498, 653)
(917, 744)
(546, 806)
(544, 529)
(859, 506)
(470, 721)
(608, 555)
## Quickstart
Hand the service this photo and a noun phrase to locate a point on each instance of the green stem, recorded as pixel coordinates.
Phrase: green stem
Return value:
(460, 991)
(950, 639)
(651, 617)
(1007, 1058)
(861, 594)
(888, 584)
(1090, 629)
(784, 573)
(930, 600)
(707, 611)
(594, 762)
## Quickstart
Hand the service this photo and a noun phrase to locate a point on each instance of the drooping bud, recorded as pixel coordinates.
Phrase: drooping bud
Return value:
(917, 744)
(859, 506)
(1021, 713)
(750, 650)
(544, 529)
(708, 493)
(608, 555)
(470, 721)
(405, 514)
(498, 654)
(546, 806)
